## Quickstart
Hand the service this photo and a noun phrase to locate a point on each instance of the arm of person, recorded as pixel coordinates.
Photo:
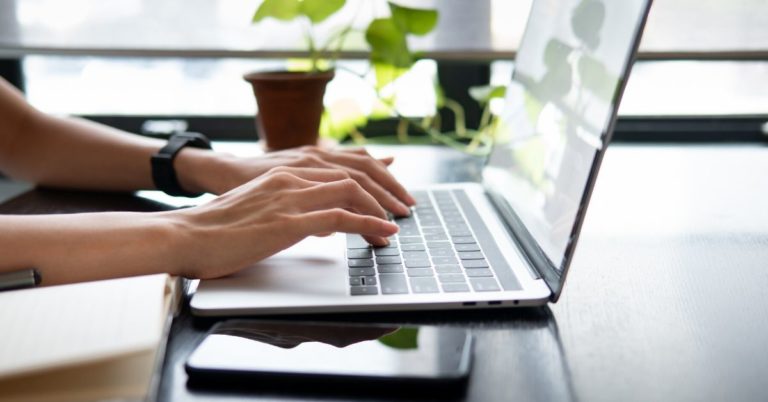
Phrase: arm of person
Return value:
(74, 153)
(242, 226)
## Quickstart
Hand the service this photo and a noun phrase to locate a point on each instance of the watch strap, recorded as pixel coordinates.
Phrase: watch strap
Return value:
(163, 172)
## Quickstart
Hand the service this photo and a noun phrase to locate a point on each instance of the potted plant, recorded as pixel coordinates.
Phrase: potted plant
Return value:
(291, 102)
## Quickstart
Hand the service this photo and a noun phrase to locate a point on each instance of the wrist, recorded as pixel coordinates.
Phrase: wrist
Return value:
(201, 170)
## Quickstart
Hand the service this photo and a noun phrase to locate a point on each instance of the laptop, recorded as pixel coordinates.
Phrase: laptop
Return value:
(507, 241)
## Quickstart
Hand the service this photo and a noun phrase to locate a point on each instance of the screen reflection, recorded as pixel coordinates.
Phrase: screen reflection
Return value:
(558, 110)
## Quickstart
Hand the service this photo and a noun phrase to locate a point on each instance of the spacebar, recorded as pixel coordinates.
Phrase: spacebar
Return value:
(496, 260)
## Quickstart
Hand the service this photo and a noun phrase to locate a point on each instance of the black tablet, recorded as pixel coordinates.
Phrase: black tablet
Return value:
(319, 356)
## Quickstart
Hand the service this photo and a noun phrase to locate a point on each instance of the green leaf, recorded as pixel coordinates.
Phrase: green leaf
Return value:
(413, 20)
(284, 10)
(403, 338)
(318, 10)
(388, 45)
(386, 74)
(484, 94)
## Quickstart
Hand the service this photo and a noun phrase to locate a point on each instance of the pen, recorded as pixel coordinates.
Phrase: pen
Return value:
(25, 278)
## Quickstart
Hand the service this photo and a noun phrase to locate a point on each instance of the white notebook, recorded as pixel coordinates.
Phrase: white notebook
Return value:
(88, 341)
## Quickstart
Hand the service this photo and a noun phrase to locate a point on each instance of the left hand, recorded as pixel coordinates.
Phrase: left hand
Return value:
(222, 173)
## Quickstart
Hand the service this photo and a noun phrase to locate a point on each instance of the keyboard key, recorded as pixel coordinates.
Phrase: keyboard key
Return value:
(433, 230)
(451, 278)
(484, 284)
(420, 272)
(362, 272)
(356, 241)
(390, 268)
(368, 280)
(428, 216)
(392, 244)
(413, 247)
(463, 239)
(455, 287)
(364, 290)
(460, 233)
(410, 240)
(467, 247)
(448, 269)
(356, 253)
(393, 284)
(356, 281)
(384, 252)
(471, 255)
(409, 231)
(470, 264)
(424, 285)
(445, 260)
(415, 255)
(438, 244)
(441, 252)
(360, 263)
(435, 237)
(430, 223)
(406, 220)
(477, 272)
(417, 263)
(491, 250)
(388, 260)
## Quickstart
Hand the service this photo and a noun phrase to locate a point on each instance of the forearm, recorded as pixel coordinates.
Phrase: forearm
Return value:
(76, 153)
(83, 247)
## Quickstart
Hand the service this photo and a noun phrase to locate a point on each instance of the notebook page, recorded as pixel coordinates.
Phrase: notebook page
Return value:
(51, 327)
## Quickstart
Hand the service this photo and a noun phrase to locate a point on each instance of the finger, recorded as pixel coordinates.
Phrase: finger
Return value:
(362, 151)
(387, 160)
(374, 229)
(375, 170)
(384, 197)
(346, 194)
(315, 174)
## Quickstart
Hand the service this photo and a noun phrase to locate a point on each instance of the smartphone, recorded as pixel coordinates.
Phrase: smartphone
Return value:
(332, 356)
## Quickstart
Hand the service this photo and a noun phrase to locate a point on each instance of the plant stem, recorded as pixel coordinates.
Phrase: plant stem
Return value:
(357, 136)
(458, 112)
(485, 119)
(313, 53)
(402, 130)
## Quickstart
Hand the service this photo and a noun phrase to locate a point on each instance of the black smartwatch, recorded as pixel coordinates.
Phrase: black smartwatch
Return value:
(163, 172)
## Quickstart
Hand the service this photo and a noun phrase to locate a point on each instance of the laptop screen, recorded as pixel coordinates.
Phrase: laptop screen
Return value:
(568, 77)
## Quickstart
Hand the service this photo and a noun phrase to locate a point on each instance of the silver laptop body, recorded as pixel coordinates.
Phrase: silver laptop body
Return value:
(507, 241)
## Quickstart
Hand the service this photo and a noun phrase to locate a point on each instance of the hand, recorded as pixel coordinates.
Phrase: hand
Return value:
(225, 173)
(273, 212)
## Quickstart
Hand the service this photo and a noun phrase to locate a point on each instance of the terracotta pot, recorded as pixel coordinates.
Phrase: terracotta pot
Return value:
(290, 105)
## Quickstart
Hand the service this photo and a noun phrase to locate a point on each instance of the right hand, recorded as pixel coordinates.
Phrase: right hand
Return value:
(271, 213)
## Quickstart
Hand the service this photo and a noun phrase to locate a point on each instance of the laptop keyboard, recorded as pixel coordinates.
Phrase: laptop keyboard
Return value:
(442, 247)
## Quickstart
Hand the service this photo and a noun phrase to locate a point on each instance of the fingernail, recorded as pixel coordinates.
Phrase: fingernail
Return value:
(411, 200)
(393, 227)
(404, 210)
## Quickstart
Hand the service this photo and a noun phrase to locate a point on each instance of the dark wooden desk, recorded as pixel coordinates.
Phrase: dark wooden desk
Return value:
(665, 301)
